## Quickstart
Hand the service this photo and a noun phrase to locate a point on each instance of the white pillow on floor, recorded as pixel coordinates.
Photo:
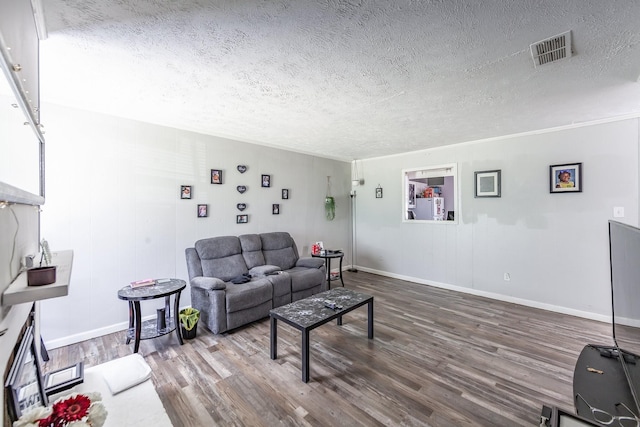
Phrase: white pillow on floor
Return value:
(125, 372)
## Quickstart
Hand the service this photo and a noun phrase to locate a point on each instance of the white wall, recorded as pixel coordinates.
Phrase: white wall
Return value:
(554, 246)
(113, 196)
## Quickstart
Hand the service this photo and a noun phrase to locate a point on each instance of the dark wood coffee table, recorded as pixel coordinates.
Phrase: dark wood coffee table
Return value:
(309, 313)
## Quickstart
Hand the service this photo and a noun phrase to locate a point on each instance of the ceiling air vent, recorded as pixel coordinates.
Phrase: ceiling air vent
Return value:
(551, 49)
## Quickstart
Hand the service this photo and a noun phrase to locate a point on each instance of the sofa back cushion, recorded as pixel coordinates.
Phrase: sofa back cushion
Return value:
(221, 257)
(279, 249)
(252, 250)
(194, 266)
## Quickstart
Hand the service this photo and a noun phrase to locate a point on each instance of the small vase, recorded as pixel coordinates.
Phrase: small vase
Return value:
(41, 276)
(161, 320)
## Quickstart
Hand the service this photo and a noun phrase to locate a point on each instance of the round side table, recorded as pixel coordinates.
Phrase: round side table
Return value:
(139, 330)
(327, 262)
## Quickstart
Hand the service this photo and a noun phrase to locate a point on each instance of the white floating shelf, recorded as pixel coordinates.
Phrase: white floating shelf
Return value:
(19, 292)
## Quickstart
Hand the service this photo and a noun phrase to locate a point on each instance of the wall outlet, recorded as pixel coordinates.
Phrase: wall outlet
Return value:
(507, 277)
(27, 262)
(618, 212)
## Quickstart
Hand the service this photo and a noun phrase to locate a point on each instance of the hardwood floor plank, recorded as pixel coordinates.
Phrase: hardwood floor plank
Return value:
(439, 358)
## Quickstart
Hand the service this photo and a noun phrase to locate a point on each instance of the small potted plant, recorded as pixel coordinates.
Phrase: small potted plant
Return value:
(189, 322)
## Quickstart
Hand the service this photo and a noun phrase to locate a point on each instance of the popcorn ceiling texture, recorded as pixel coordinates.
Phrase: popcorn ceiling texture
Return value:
(342, 79)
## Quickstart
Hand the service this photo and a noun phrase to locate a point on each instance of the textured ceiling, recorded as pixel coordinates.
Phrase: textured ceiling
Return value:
(346, 79)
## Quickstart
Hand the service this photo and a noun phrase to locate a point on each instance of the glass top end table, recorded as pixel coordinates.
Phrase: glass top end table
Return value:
(328, 256)
(165, 322)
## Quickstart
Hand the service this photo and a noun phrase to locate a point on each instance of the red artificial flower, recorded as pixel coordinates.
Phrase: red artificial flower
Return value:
(72, 409)
(46, 422)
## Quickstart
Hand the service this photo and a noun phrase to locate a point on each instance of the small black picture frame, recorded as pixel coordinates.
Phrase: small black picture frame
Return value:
(203, 211)
(64, 378)
(565, 178)
(378, 192)
(242, 219)
(216, 176)
(275, 209)
(285, 194)
(186, 191)
(266, 181)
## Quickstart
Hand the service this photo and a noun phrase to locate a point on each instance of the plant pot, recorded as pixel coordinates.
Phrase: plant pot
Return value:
(41, 276)
(189, 335)
(188, 317)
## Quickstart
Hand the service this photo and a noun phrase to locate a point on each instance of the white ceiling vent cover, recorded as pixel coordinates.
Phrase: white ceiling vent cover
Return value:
(551, 49)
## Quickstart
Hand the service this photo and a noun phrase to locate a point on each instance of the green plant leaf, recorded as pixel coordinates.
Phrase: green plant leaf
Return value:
(330, 207)
(189, 317)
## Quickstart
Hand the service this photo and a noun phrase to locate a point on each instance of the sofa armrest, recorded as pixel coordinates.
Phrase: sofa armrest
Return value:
(310, 262)
(208, 283)
(263, 270)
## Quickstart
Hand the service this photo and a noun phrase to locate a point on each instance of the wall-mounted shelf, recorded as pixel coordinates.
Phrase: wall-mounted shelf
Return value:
(19, 292)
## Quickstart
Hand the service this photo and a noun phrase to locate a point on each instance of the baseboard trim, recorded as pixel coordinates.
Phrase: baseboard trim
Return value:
(87, 335)
(94, 333)
(492, 295)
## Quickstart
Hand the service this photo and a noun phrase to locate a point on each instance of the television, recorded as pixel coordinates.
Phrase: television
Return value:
(624, 254)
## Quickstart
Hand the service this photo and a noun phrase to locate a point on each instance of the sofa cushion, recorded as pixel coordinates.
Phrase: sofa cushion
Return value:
(264, 270)
(310, 262)
(281, 284)
(224, 268)
(194, 265)
(251, 250)
(279, 249)
(218, 247)
(247, 295)
(305, 278)
(208, 283)
(221, 257)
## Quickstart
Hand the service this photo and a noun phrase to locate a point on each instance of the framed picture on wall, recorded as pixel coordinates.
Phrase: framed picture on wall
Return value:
(285, 193)
(379, 192)
(275, 209)
(216, 176)
(203, 211)
(266, 181)
(185, 191)
(487, 183)
(565, 178)
(242, 219)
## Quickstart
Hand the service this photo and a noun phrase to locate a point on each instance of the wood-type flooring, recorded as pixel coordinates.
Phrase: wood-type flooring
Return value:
(439, 358)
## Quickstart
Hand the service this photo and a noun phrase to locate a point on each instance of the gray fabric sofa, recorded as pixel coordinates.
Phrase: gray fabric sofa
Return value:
(278, 276)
